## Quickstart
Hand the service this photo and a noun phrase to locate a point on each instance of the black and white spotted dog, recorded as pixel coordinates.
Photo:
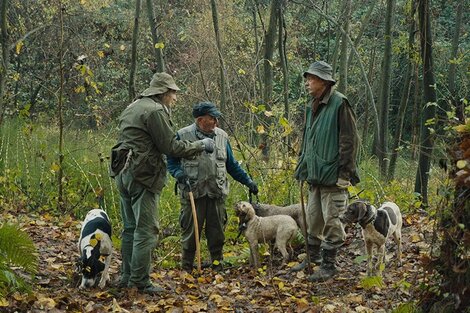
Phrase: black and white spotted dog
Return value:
(95, 248)
(377, 226)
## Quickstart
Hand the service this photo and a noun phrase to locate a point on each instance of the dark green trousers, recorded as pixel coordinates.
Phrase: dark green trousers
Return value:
(211, 216)
(139, 212)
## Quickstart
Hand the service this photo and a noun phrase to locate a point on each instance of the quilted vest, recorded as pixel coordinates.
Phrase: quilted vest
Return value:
(207, 172)
(319, 162)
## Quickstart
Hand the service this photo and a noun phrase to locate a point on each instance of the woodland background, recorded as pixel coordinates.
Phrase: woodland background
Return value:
(68, 68)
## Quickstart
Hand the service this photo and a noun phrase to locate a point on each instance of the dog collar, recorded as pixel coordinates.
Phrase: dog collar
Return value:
(369, 218)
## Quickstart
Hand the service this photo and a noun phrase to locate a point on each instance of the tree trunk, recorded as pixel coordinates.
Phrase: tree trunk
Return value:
(5, 55)
(223, 88)
(404, 98)
(343, 62)
(60, 172)
(429, 110)
(269, 43)
(365, 127)
(384, 97)
(160, 63)
(453, 94)
(285, 74)
(133, 64)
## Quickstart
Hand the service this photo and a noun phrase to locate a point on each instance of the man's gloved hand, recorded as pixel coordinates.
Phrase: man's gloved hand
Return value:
(253, 187)
(209, 145)
(342, 183)
(181, 178)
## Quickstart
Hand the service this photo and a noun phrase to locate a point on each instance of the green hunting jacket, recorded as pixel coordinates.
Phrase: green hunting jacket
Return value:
(330, 142)
(146, 130)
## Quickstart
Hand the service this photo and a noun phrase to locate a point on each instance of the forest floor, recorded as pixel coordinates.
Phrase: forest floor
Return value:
(236, 289)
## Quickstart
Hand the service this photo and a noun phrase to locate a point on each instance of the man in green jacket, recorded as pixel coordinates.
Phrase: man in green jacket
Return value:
(328, 164)
(138, 164)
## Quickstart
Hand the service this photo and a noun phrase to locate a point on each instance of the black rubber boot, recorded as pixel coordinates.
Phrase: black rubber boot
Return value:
(315, 257)
(187, 260)
(327, 268)
(216, 258)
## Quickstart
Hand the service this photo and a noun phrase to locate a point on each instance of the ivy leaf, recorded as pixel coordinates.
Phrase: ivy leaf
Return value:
(159, 45)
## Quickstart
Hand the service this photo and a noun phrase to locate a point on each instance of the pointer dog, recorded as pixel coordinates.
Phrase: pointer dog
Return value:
(95, 248)
(377, 226)
(281, 228)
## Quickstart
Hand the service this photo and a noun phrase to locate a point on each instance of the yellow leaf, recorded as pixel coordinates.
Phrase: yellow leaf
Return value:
(79, 89)
(55, 167)
(19, 45)
(461, 164)
(460, 128)
(106, 45)
(4, 302)
(260, 129)
(122, 47)
(101, 54)
(16, 77)
(281, 285)
(268, 113)
(159, 45)
(241, 72)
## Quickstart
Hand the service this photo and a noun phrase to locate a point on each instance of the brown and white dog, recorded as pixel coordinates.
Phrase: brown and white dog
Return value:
(95, 248)
(280, 228)
(377, 226)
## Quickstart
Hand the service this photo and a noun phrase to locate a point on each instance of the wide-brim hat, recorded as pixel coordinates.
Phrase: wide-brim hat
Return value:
(204, 108)
(322, 70)
(160, 83)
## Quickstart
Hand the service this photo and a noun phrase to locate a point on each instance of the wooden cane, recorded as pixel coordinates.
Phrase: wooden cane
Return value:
(305, 233)
(196, 227)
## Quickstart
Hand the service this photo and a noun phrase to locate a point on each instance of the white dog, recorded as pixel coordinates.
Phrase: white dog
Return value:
(377, 226)
(293, 210)
(281, 228)
(95, 248)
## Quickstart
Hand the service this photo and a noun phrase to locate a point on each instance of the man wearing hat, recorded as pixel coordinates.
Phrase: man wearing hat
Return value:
(139, 168)
(328, 164)
(207, 176)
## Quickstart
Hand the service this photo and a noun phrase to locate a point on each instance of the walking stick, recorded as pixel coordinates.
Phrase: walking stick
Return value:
(196, 227)
(305, 233)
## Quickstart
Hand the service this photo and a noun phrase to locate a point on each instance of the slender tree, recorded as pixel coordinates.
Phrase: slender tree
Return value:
(5, 55)
(429, 109)
(343, 61)
(60, 172)
(133, 64)
(215, 21)
(283, 57)
(384, 98)
(404, 96)
(453, 94)
(157, 44)
(269, 45)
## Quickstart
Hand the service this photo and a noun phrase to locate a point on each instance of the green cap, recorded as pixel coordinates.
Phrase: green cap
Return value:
(322, 70)
(161, 83)
(204, 108)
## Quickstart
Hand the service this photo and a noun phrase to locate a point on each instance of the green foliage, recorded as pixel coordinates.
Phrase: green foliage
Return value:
(372, 282)
(16, 250)
(409, 307)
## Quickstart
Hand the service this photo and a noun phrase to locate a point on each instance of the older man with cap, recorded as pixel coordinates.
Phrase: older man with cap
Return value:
(207, 176)
(328, 164)
(139, 167)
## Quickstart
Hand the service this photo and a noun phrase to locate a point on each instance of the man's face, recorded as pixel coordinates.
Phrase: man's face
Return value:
(169, 98)
(207, 123)
(314, 85)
